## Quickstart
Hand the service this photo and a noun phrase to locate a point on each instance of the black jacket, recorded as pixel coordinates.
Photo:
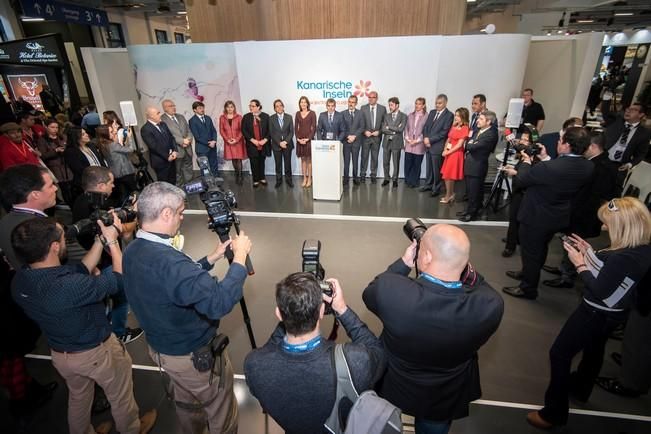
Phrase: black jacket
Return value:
(160, 144)
(638, 145)
(247, 132)
(550, 187)
(431, 335)
(478, 150)
(77, 161)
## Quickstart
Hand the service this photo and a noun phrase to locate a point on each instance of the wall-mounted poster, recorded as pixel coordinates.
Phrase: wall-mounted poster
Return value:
(28, 86)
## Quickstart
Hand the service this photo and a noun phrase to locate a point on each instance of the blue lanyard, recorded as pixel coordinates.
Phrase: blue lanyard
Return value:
(569, 155)
(301, 348)
(449, 285)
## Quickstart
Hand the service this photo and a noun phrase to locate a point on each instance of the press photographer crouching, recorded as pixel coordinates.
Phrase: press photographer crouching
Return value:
(179, 305)
(94, 203)
(610, 277)
(67, 302)
(293, 374)
(433, 326)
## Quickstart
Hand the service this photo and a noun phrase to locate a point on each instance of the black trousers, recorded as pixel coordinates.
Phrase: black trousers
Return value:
(283, 156)
(512, 237)
(534, 243)
(167, 173)
(351, 154)
(475, 193)
(413, 163)
(586, 330)
(636, 353)
(257, 167)
(433, 165)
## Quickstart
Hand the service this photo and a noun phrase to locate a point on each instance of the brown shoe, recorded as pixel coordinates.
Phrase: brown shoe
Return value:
(534, 418)
(147, 421)
(104, 427)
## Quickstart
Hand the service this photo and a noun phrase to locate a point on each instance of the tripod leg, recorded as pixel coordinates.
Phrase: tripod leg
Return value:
(247, 322)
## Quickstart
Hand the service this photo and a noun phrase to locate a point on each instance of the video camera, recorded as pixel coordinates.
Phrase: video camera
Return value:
(311, 264)
(414, 229)
(219, 205)
(532, 149)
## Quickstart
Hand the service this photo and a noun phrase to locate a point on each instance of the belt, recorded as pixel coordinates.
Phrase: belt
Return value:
(81, 351)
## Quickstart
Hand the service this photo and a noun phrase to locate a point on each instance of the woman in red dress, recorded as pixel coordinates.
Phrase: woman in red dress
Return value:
(304, 128)
(230, 128)
(452, 169)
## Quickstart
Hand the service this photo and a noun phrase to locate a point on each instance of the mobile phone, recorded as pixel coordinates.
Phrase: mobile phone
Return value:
(568, 240)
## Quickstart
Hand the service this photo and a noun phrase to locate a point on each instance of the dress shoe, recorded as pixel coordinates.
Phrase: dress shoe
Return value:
(517, 275)
(263, 181)
(552, 270)
(356, 181)
(504, 240)
(613, 385)
(516, 291)
(395, 184)
(345, 181)
(147, 421)
(362, 180)
(425, 188)
(461, 213)
(256, 184)
(373, 180)
(289, 183)
(278, 183)
(467, 218)
(507, 253)
(558, 283)
(384, 183)
(434, 194)
(534, 418)
(617, 358)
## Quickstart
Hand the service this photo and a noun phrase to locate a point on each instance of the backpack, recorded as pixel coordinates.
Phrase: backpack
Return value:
(369, 414)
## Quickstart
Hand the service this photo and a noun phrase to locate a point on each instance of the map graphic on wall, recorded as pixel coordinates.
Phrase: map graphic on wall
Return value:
(185, 74)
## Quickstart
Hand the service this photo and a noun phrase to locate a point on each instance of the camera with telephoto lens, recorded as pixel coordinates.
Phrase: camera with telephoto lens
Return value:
(414, 229)
(102, 209)
(311, 252)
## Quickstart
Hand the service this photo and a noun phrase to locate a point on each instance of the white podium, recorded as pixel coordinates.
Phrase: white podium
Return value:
(327, 162)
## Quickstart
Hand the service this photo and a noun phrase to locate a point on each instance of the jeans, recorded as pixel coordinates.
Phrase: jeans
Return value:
(424, 426)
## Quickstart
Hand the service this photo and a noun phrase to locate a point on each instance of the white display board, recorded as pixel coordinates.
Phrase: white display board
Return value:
(129, 117)
(514, 114)
(327, 162)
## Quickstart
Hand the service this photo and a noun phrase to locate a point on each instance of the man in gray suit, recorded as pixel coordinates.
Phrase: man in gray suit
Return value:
(281, 130)
(354, 126)
(373, 114)
(178, 126)
(435, 132)
(393, 142)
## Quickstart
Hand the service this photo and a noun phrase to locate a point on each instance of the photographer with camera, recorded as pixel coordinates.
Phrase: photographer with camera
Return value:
(433, 370)
(293, 375)
(67, 302)
(179, 305)
(546, 207)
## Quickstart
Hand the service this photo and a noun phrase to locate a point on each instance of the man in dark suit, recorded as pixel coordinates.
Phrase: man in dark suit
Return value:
(392, 127)
(180, 130)
(546, 208)
(161, 145)
(330, 125)
(475, 166)
(281, 131)
(205, 136)
(584, 220)
(373, 114)
(627, 141)
(433, 370)
(353, 129)
(437, 126)
(255, 129)
(550, 140)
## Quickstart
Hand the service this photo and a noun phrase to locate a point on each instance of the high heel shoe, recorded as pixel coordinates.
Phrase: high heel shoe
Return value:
(304, 182)
(309, 182)
(448, 200)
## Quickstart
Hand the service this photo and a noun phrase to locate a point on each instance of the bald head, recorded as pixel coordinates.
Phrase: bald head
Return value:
(444, 249)
(153, 114)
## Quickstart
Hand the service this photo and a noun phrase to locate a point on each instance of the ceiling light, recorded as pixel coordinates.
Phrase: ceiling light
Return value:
(471, 1)
(28, 19)
(585, 21)
(559, 32)
(181, 13)
(623, 14)
(549, 33)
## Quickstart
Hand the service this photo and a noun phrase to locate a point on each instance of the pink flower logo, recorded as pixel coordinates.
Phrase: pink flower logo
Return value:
(363, 88)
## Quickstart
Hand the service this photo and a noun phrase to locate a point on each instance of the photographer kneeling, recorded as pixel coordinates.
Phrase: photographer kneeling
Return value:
(179, 305)
(433, 327)
(293, 375)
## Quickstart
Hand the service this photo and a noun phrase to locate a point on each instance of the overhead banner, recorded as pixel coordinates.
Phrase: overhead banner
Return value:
(28, 86)
(34, 51)
(59, 11)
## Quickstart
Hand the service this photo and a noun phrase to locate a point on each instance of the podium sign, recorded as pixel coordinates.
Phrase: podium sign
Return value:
(326, 170)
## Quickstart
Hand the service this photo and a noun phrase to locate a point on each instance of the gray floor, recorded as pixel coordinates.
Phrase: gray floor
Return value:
(514, 364)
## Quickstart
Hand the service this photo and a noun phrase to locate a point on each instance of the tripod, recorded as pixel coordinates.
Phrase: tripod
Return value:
(222, 231)
(143, 178)
(501, 177)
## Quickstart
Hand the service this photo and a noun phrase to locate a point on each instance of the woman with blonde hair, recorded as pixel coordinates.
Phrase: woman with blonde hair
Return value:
(610, 277)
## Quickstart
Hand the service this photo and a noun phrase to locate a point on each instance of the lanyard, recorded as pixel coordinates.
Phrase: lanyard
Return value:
(301, 348)
(449, 285)
(569, 155)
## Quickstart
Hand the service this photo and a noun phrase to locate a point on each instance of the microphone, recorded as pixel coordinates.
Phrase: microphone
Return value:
(509, 136)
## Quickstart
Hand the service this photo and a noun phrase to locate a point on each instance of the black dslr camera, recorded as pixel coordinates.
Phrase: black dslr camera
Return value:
(102, 210)
(532, 149)
(415, 229)
(311, 264)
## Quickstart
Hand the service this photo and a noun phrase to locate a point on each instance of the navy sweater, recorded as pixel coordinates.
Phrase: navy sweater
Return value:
(177, 302)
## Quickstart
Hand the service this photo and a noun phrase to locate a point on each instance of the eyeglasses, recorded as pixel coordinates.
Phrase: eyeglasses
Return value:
(612, 207)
